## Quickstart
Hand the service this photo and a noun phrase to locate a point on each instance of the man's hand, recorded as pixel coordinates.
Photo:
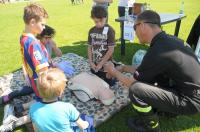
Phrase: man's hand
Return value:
(120, 68)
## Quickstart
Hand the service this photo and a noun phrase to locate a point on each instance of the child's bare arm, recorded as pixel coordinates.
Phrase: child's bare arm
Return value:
(55, 49)
(27, 81)
(93, 66)
(82, 124)
(24, 70)
(128, 69)
(35, 128)
(22, 120)
(111, 45)
(105, 58)
(90, 54)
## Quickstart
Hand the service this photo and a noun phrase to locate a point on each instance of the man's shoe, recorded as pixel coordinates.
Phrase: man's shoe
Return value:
(144, 124)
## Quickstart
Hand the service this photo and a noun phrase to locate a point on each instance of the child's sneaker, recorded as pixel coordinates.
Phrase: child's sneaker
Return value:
(10, 119)
(8, 124)
(6, 127)
(8, 111)
(22, 121)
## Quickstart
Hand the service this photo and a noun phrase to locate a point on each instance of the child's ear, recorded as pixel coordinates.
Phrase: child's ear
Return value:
(61, 94)
(32, 22)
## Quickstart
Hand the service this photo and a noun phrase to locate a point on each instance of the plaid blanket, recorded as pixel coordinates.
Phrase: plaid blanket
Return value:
(94, 108)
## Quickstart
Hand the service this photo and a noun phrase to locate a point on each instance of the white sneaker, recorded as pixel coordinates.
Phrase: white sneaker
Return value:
(10, 119)
(8, 111)
(6, 127)
(8, 124)
(22, 120)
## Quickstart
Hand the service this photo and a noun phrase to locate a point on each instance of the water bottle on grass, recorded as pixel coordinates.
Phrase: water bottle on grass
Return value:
(181, 11)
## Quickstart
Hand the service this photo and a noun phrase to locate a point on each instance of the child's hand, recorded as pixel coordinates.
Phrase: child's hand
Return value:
(99, 66)
(87, 124)
(109, 68)
(108, 76)
(93, 66)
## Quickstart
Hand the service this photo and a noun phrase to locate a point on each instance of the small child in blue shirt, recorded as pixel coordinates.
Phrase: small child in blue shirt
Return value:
(51, 115)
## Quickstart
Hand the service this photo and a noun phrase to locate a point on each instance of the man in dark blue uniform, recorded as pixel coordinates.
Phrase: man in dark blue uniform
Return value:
(167, 80)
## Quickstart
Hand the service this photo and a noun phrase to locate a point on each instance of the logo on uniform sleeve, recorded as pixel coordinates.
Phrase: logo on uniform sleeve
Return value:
(37, 55)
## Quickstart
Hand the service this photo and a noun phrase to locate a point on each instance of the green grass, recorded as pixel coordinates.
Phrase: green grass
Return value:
(72, 24)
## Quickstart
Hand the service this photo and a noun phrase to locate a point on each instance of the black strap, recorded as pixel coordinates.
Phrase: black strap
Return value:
(79, 90)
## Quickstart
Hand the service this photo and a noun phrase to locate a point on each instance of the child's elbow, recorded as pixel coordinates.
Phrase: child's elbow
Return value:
(59, 54)
(111, 50)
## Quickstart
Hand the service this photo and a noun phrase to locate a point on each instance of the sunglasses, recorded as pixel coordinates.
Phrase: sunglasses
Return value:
(135, 26)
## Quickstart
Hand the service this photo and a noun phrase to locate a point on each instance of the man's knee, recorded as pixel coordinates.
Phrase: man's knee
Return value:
(136, 89)
(135, 92)
(136, 96)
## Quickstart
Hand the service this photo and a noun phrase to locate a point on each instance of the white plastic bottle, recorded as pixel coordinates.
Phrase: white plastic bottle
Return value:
(181, 11)
(126, 12)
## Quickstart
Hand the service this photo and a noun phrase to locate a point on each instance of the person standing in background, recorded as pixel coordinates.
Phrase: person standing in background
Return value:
(104, 3)
(121, 9)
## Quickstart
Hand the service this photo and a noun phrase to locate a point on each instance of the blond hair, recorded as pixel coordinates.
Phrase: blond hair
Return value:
(51, 83)
(34, 11)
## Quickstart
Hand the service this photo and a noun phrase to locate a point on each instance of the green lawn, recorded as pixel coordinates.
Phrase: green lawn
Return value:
(72, 24)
